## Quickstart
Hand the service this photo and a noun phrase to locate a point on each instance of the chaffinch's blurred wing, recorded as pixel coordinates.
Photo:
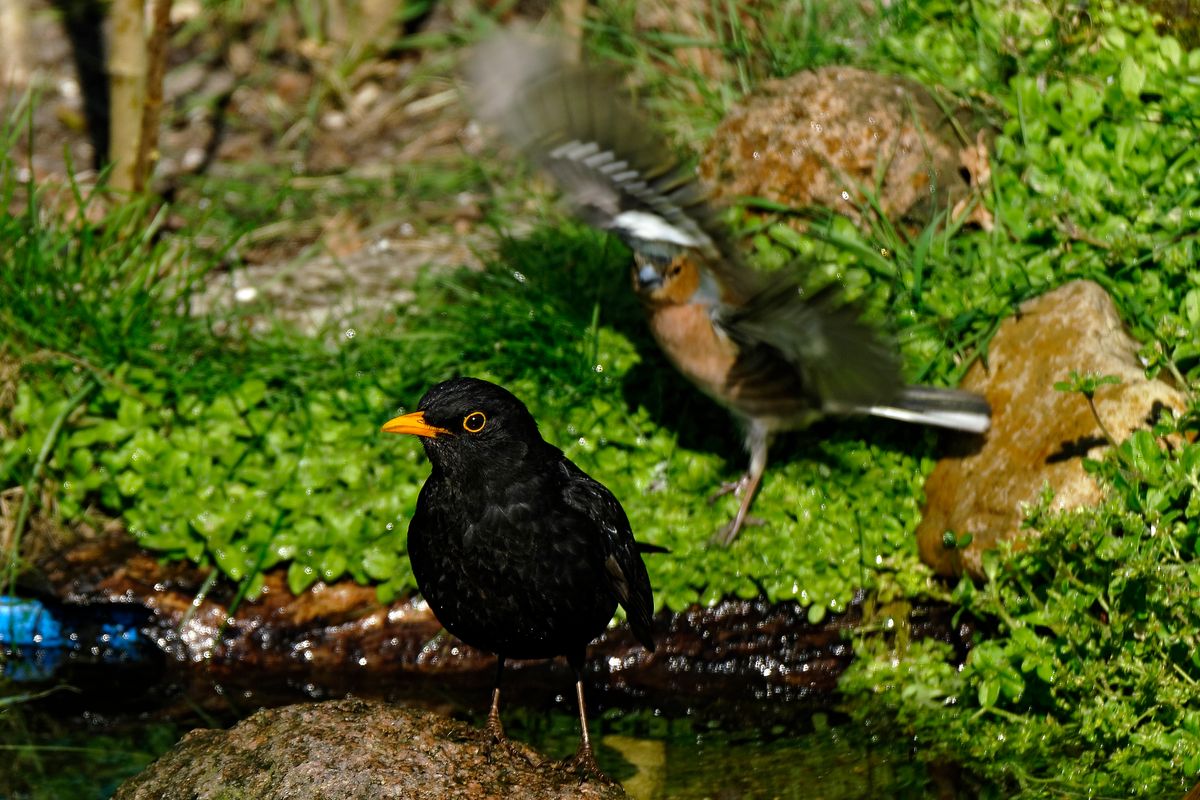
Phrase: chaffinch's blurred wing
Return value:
(580, 125)
(807, 347)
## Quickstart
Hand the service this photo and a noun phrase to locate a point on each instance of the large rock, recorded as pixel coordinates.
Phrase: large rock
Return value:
(352, 750)
(1039, 435)
(820, 138)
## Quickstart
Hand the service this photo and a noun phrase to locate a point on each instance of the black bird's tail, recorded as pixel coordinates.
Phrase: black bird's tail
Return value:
(945, 408)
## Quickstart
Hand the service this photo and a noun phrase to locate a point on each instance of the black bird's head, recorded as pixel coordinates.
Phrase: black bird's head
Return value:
(470, 424)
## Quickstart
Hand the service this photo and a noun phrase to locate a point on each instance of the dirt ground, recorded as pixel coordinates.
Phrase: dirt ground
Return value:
(318, 108)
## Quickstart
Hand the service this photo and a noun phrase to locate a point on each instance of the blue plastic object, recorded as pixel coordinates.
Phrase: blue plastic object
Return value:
(36, 641)
(27, 623)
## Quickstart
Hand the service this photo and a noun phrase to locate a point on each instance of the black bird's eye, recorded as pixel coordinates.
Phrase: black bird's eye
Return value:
(474, 422)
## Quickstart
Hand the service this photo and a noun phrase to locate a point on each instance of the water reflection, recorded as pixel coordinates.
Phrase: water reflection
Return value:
(126, 707)
(81, 744)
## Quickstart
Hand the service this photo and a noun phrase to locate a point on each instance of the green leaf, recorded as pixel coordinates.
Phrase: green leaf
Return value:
(130, 483)
(1171, 51)
(380, 564)
(1133, 78)
(1191, 306)
(300, 577)
(333, 564)
(251, 392)
(988, 693)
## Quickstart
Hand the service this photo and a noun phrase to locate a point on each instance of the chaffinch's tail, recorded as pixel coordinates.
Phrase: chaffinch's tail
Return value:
(945, 408)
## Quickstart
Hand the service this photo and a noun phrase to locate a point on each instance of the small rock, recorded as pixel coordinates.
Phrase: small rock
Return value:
(185, 11)
(69, 91)
(292, 87)
(329, 154)
(1039, 435)
(351, 749)
(193, 159)
(217, 82)
(334, 121)
(819, 138)
(240, 146)
(341, 235)
(364, 99)
(241, 58)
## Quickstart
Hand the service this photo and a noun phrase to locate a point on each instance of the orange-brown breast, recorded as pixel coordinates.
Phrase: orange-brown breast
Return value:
(687, 336)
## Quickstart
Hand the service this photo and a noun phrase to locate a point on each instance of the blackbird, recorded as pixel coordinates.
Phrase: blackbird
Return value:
(516, 549)
(755, 342)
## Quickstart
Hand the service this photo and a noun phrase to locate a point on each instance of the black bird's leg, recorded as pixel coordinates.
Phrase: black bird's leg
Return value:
(493, 723)
(497, 730)
(584, 760)
(584, 756)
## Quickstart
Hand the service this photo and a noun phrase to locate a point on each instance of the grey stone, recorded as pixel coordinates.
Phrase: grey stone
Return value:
(352, 750)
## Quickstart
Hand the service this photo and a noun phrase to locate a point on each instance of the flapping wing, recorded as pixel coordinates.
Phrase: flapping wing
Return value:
(814, 348)
(579, 124)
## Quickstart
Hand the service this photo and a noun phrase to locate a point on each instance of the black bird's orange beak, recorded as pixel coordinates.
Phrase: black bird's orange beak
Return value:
(413, 423)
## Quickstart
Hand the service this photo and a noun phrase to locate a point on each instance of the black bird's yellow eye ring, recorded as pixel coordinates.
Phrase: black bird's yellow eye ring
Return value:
(474, 422)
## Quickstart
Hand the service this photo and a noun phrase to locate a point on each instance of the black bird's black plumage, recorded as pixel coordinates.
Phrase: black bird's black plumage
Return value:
(516, 549)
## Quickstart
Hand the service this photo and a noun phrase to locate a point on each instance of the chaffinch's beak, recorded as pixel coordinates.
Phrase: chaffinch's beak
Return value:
(648, 278)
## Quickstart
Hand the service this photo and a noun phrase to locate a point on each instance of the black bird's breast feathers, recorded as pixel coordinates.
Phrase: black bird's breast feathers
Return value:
(531, 566)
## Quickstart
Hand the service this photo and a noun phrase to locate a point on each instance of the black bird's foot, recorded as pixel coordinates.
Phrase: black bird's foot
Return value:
(518, 751)
(583, 764)
(513, 749)
(494, 727)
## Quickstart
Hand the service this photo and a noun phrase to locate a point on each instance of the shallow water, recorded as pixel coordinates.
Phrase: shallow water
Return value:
(72, 744)
(820, 758)
(80, 717)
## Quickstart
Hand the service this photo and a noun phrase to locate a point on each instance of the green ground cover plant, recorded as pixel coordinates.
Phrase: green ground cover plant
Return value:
(255, 453)
(252, 451)
(1087, 686)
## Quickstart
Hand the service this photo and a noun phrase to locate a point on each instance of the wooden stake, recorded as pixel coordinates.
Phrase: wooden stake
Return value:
(127, 72)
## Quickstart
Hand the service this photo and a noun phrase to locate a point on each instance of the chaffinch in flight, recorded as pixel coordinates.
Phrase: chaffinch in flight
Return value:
(753, 341)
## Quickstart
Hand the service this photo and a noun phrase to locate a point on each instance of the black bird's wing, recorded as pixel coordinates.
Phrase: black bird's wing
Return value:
(623, 565)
